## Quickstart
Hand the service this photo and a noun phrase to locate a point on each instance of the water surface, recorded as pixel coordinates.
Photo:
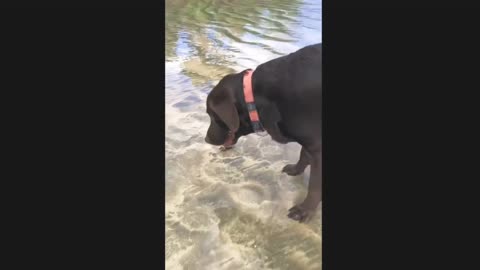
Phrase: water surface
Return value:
(227, 210)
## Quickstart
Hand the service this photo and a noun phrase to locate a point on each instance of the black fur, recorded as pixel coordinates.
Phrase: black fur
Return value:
(288, 97)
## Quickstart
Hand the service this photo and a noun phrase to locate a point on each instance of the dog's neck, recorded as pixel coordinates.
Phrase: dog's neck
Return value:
(266, 108)
(250, 101)
(241, 103)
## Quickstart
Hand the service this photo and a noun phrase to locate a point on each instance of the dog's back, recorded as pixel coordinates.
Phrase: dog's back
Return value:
(294, 76)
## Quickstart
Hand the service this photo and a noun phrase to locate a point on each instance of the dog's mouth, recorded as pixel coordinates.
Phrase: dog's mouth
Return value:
(230, 141)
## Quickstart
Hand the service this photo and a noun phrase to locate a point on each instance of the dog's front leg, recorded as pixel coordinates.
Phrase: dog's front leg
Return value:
(304, 211)
(296, 169)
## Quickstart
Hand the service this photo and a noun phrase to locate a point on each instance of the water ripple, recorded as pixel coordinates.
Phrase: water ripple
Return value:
(227, 210)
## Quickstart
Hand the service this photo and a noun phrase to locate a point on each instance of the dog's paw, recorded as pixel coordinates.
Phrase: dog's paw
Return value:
(291, 169)
(300, 213)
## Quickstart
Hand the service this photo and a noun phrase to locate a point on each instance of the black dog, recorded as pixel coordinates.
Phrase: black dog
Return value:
(287, 94)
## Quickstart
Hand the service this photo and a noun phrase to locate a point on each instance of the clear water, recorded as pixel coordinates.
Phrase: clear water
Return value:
(228, 210)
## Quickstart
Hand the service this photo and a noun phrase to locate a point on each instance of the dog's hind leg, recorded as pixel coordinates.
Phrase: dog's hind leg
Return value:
(299, 168)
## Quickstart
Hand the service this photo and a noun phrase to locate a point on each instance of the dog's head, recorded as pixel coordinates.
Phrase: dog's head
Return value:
(228, 117)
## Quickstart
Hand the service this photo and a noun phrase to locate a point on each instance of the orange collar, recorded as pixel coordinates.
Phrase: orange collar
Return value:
(250, 101)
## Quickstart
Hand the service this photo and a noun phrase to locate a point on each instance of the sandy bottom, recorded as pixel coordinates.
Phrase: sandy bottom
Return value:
(228, 210)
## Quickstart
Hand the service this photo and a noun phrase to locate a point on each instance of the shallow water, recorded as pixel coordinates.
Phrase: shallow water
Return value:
(227, 210)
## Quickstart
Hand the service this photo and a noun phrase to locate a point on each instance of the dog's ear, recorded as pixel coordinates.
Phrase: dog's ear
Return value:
(271, 119)
(226, 110)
